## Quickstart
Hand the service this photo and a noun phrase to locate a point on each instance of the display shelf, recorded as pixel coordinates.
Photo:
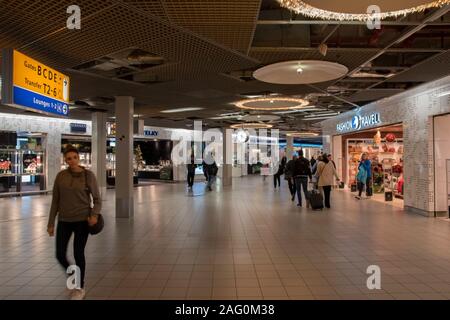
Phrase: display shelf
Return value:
(356, 147)
(20, 167)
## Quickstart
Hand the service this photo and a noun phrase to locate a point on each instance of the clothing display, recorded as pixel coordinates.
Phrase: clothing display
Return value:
(386, 162)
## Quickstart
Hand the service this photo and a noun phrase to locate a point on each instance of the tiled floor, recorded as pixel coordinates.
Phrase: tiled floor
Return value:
(245, 242)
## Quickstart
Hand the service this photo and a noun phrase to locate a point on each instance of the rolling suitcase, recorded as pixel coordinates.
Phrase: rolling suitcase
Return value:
(316, 200)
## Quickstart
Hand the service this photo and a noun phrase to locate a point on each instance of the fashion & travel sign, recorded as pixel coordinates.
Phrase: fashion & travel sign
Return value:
(359, 122)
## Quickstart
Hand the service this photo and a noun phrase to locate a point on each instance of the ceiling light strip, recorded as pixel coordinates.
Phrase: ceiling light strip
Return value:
(181, 110)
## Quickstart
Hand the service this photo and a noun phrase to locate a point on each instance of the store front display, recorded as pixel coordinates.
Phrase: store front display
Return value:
(384, 148)
(412, 146)
(22, 162)
(153, 159)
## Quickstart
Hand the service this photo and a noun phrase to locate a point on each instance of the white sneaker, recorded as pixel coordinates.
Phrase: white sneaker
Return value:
(78, 294)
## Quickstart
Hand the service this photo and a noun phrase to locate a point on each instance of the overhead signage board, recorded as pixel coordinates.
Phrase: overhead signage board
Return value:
(78, 127)
(152, 133)
(360, 122)
(29, 84)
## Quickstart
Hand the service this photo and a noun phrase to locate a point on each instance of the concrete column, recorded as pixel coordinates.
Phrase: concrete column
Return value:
(124, 156)
(139, 127)
(289, 147)
(227, 171)
(99, 150)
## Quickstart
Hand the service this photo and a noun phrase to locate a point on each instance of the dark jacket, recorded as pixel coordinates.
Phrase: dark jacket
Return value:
(191, 168)
(212, 169)
(281, 166)
(289, 170)
(302, 168)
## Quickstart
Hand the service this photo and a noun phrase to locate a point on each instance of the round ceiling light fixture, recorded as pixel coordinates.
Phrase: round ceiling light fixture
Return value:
(360, 10)
(302, 134)
(300, 72)
(272, 103)
(251, 125)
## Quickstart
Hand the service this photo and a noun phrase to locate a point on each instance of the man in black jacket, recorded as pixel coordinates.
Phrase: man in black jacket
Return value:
(288, 175)
(191, 172)
(302, 171)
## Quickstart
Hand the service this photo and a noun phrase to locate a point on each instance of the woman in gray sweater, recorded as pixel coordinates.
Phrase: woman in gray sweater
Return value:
(71, 203)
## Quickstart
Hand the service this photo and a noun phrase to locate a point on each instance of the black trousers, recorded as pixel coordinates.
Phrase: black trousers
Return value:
(327, 195)
(369, 187)
(276, 178)
(291, 185)
(63, 235)
(190, 179)
(360, 188)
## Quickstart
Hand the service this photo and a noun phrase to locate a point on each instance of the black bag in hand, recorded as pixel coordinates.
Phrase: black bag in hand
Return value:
(98, 227)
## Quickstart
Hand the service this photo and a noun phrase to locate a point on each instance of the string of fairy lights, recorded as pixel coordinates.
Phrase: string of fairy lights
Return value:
(302, 7)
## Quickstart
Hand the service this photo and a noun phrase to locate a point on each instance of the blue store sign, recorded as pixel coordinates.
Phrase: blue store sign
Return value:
(152, 133)
(78, 127)
(359, 122)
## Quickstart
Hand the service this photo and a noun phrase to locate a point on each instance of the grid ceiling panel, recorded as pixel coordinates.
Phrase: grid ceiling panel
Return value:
(433, 68)
(154, 7)
(104, 34)
(373, 94)
(228, 22)
(23, 22)
(27, 21)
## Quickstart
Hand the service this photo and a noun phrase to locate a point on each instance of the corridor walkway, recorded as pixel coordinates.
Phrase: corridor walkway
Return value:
(246, 242)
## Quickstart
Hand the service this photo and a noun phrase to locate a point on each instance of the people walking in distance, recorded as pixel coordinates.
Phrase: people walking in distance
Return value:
(191, 172)
(71, 203)
(302, 171)
(368, 166)
(361, 177)
(211, 169)
(312, 161)
(289, 176)
(326, 172)
(314, 166)
(279, 173)
(205, 170)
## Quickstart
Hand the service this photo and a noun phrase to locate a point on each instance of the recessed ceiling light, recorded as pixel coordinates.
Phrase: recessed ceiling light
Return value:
(317, 118)
(303, 134)
(308, 108)
(251, 125)
(299, 70)
(181, 110)
(320, 114)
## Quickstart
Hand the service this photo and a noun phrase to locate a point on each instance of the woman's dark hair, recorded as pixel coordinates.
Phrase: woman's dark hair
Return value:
(70, 148)
(325, 158)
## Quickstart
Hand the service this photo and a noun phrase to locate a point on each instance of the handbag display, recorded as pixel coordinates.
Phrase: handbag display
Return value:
(98, 227)
(388, 196)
